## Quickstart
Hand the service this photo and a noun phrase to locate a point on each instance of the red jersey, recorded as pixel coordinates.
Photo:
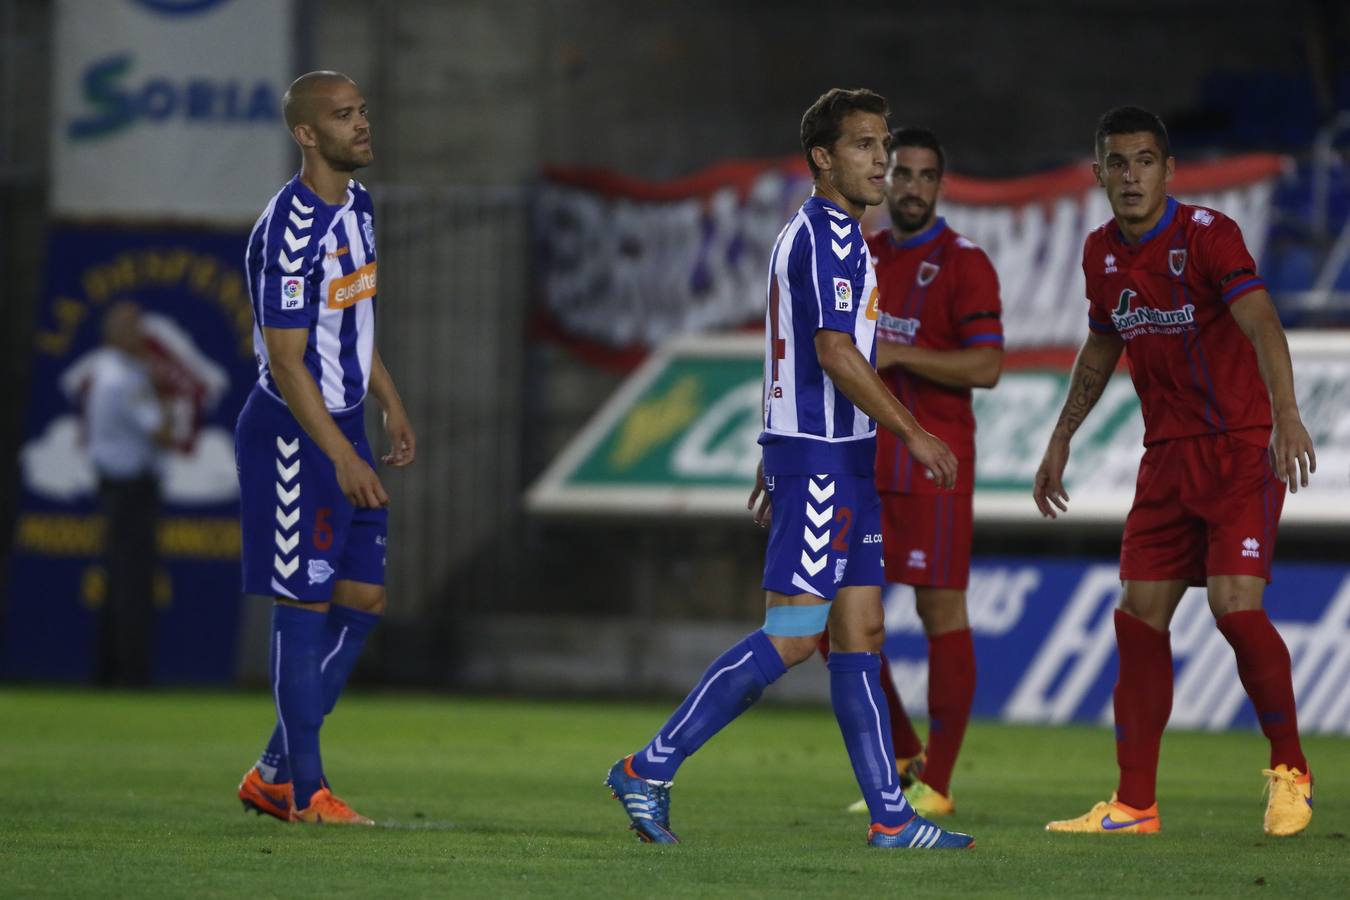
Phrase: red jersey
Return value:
(937, 290)
(1168, 296)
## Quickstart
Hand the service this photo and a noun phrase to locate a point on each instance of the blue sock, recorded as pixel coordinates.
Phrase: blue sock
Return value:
(344, 636)
(860, 708)
(731, 685)
(347, 630)
(296, 653)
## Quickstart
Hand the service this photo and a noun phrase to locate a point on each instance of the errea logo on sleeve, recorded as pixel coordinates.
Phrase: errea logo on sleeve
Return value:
(843, 295)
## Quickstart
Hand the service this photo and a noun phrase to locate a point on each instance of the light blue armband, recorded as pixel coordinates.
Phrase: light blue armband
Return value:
(796, 621)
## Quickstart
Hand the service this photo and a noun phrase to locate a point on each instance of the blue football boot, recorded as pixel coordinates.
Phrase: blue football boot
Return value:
(647, 803)
(918, 834)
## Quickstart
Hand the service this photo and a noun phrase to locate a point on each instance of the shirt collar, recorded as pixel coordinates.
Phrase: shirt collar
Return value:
(1169, 214)
(311, 198)
(816, 198)
(922, 237)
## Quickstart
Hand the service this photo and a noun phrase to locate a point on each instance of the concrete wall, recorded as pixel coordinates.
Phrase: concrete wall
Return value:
(486, 90)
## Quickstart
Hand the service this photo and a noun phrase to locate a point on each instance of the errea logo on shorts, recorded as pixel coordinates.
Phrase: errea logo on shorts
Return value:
(918, 559)
(292, 293)
(1251, 548)
(843, 295)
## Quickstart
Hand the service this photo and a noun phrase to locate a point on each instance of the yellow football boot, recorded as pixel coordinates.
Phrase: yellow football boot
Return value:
(928, 802)
(1288, 800)
(909, 768)
(1112, 817)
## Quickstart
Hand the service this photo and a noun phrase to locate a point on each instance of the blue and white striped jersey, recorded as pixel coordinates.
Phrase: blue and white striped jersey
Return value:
(312, 265)
(820, 276)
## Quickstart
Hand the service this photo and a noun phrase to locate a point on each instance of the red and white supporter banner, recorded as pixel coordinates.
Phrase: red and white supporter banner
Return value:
(1033, 230)
(626, 264)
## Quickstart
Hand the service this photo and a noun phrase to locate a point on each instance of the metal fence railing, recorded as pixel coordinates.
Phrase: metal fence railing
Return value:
(453, 290)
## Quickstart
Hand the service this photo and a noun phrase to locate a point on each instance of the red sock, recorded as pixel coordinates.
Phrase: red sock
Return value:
(1143, 704)
(951, 691)
(1264, 667)
(905, 741)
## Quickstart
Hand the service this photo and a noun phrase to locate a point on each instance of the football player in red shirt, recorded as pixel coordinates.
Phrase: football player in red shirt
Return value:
(1174, 287)
(938, 336)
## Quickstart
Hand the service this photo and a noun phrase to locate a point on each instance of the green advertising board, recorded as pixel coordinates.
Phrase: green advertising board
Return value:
(679, 438)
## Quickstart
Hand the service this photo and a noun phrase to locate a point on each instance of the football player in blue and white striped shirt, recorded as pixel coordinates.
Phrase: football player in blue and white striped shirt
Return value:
(822, 403)
(312, 508)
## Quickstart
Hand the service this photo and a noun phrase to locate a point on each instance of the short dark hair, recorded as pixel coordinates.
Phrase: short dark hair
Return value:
(919, 137)
(823, 123)
(1130, 120)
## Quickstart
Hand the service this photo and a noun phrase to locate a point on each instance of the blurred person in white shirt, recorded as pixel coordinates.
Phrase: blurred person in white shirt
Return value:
(127, 427)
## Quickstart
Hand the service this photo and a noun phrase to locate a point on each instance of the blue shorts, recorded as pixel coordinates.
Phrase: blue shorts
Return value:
(300, 532)
(825, 534)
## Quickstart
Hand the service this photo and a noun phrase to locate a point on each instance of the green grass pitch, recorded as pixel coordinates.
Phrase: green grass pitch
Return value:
(121, 795)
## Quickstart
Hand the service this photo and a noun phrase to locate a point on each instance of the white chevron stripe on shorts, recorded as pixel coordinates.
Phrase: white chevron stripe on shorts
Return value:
(287, 534)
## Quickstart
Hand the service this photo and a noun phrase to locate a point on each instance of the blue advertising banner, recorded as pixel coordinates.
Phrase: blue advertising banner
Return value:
(198, 325)
(1045, 645)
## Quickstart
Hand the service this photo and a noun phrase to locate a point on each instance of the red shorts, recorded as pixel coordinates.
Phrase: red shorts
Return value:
(925, 539)
(1202, 506)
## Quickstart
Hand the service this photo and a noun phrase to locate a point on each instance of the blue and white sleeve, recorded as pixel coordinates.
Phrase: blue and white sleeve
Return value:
(835, 252)
(290, 295)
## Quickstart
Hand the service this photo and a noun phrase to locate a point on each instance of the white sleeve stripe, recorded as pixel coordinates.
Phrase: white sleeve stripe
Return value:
(262, 268)
(815, 276)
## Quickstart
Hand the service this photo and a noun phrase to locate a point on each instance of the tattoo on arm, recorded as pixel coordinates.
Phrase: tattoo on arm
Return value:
(1085, 389)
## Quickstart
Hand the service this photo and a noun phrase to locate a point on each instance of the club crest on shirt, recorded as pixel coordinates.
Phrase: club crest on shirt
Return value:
(1176, 261)
(368, 229)
(927, 272)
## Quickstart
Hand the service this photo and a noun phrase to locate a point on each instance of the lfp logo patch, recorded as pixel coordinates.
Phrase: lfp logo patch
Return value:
(843, 295)
(292, 293)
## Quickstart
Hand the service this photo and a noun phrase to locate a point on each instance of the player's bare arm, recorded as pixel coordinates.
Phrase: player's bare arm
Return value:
(853, 374)
(1091, 371)
(1291, 448)
(972, 367)
(397, 427)
(286, 358)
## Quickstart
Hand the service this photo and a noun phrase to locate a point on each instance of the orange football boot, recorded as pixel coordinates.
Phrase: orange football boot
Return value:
(262, 797)
(325, 808)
